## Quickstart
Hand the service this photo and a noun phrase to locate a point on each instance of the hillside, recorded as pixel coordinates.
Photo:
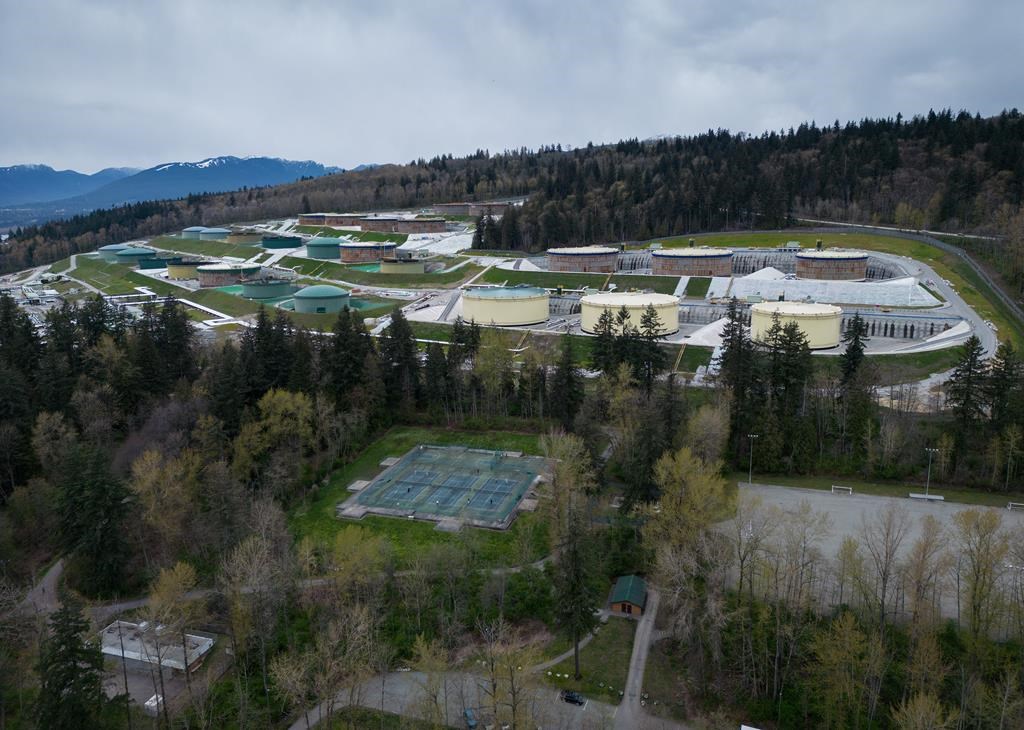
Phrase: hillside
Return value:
(41, 183)
(954, 172)
(162, 182)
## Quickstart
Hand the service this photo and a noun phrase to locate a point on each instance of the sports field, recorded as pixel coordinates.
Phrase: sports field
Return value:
(451, 484)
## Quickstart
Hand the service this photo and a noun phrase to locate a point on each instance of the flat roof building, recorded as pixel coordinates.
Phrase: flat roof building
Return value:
(153, 644)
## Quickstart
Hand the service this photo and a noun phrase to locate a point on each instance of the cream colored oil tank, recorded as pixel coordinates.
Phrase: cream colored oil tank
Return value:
(820, 322)
(665, 305)
(505, 305)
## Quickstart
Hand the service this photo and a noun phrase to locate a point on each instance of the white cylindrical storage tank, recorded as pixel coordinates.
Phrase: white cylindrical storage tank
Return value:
(665, 305)
(691, 261)
(192, 231)
(505, 305)
(820, 322)
(214, 234)
(597, 259)
(829, 264)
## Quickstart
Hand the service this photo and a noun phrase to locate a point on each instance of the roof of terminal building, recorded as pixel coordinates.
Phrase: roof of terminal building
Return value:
(629, 299)
(800, 309)
(321, 291)
(505, 292)
(583, 250)
(830, 253)
(692, 251)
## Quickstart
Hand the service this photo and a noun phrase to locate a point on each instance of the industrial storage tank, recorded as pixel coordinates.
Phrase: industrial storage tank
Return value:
(505, 305)
(275, 241)
(321, 299)
(225, 274)
(109, 252)
(392, 265)
(365, 252)
(244, 236)
(692, 261)
(268, 288)
(665, 305)
(598, 259)
(132, 255)
(214, 234)
(156, 262)
(192, 231)
(820, 322)
(831, 264)
(184, 269)
(322, 248)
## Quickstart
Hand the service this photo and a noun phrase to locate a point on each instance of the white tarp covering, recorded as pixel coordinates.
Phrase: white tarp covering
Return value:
(905, 292)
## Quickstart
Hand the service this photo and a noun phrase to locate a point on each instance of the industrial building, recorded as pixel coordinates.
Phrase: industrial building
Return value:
(109, 252)
(132, 255)
(214, 234)
(321, 299)
(666, 306)
(342, 219)
(597, 259)
(360, 252)
(312, 219)
(505, 305)
(692, 261)
(322, 248)
(185, 269)
(266, 288)
(392, 224)
(192, 231)
(221, 274)
(819, 322)
(142, 645)
(278, 241)
(831, 264)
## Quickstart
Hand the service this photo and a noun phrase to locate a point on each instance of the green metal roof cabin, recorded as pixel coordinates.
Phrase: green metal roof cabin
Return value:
(629, 596)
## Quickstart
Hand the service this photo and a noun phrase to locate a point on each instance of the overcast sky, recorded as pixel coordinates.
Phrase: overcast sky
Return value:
(88, 84)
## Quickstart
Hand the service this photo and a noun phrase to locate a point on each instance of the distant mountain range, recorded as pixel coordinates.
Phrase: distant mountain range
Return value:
(36, 193)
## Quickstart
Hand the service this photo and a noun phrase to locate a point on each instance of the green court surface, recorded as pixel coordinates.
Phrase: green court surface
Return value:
(453, 484)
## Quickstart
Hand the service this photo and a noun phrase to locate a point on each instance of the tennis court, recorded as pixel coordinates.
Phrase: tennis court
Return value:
(475, 487)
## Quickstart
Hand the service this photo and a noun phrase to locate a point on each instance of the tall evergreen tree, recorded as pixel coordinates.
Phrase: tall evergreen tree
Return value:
(566, 387)
(853, 356)
(602, 353)
(1002, 385)
(652, 361)
(70, 672)
(965, 390)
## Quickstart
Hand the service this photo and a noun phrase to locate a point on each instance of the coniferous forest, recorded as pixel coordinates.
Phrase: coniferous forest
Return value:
(946, 171)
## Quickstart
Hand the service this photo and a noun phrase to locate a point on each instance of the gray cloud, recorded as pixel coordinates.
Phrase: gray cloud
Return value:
(94, 83)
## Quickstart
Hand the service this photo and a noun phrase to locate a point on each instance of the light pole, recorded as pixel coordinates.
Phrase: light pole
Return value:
(928, 479)
(750, 468)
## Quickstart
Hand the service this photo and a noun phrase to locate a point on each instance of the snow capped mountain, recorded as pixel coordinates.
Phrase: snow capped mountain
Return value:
(169, 180)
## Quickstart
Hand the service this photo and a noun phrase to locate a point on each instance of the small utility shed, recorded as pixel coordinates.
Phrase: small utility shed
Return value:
(629, 596)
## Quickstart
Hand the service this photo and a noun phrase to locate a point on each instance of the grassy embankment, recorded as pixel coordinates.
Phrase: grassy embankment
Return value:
(340, 272)
(316, 517)
(604, 663)
(363, 236)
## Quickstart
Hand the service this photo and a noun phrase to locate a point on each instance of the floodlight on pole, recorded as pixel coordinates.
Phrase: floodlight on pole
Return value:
(750, 468)
(928, 479)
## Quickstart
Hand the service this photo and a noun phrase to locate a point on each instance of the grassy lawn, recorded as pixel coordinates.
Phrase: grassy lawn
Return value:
(549, 279)
(316, 518)
(884, 489)
(694, 356)
(604, 663)
(354, 235)
(443, 333)
(968, 284)
(60, 266)
(698, 286)
(340, 272)
(119, 279)
(660, 284)
(204, 248)
(920, 364)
